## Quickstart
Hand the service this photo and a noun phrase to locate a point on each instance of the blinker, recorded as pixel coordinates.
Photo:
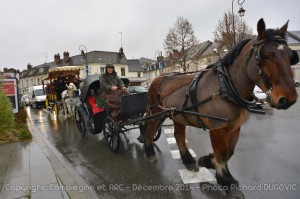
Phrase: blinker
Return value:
(295, 58)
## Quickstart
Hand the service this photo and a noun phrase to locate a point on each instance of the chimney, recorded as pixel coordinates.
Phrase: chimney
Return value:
(121, 52)
(66, 56)
(56, 58)
(176, 54)
(29, 66)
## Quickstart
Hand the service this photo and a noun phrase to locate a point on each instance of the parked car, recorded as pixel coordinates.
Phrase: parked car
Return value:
(25, 100)
(297, 83)
(260, 95)
(36, 96)
(260, 98)
(137, 89)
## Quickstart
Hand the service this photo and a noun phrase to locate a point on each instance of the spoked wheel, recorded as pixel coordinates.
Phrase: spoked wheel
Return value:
(79, 122)
(158, 131)
(111, 134)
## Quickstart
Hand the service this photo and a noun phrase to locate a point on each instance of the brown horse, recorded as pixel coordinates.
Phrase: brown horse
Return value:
(224, 89)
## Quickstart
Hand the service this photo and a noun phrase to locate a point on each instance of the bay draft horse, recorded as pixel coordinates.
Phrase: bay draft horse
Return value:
(68, 100)
(264, 60)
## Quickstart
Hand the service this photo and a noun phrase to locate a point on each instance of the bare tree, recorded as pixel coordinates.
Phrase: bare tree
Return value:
(225, 33)
(179, 39)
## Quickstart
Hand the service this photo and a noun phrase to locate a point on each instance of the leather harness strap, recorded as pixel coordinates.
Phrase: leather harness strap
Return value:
(192, 95)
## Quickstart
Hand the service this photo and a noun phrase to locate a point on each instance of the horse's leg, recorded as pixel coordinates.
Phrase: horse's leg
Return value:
(150, 130)
(187, 158)
(65, 108)
(207, 161)
(223, 143)
(73, 111)
(69, 110)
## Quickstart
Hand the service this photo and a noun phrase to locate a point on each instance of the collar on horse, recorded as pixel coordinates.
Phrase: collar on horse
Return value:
(227, 89)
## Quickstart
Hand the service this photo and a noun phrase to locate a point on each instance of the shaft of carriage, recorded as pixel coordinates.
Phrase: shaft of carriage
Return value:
(175, 111)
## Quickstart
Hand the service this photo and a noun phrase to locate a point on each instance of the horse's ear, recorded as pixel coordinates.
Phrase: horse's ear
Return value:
(261, 27)
(285, 26)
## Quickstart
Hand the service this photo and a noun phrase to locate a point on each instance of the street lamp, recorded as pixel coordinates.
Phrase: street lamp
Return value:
(241, 13)
(159, 61)
(84, 54)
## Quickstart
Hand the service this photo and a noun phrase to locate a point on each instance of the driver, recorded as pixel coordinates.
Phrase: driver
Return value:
(112, 89)
(110, 81)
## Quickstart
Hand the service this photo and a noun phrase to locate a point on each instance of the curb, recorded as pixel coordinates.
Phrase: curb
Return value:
(74, 185)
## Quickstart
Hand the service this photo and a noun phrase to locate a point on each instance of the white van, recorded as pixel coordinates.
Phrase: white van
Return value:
(36, 96)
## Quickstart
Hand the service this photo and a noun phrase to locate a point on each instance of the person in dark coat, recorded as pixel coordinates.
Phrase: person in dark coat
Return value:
(112, 89)
(110, 81)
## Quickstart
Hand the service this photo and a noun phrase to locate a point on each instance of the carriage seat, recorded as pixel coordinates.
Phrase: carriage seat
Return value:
(96, 114)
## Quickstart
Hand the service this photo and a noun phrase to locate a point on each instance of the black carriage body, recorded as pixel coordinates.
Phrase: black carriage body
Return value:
(133, 106)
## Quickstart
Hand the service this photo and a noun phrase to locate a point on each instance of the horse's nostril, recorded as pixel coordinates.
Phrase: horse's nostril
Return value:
(283, 103)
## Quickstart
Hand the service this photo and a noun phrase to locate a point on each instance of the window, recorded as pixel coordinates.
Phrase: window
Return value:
(139, 74)
(122, 71)
(102, 70)
(38, 80)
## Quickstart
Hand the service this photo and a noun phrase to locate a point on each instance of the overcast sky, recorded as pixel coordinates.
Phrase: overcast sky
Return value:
(32, 31)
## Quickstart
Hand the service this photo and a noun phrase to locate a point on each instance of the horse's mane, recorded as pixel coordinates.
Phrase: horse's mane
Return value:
(230, 57)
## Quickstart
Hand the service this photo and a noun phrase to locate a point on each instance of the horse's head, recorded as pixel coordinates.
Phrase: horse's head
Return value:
(72, 87)
(273, 61)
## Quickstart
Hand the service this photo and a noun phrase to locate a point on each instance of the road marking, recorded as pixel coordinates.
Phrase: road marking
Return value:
(173, 140)
(167, 131)
(203, 175)
(188, 177)
(176, 155)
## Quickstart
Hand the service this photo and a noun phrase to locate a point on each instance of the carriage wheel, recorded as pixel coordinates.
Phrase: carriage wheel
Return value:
(158, 131)
(79, 122)
(111, 134)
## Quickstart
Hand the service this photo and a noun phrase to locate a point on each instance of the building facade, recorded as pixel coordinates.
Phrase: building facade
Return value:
(95, 62)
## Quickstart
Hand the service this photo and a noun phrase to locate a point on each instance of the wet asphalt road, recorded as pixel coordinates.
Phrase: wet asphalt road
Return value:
(266, 160)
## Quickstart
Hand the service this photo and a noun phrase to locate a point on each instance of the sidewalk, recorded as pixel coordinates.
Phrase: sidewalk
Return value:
(36, 169)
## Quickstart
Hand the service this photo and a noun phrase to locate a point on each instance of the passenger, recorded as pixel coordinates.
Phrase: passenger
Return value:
(96, 103)
(112, 89)
(97, 106)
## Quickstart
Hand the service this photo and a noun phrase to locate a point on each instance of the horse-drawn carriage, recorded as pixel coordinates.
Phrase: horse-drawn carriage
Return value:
(56, 85)
(131, 116)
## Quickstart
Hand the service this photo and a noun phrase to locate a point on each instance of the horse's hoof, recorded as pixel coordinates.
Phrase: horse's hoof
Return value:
(192, 167)
(152, 158)
(205, 161)
(234, 194)
(201, 162)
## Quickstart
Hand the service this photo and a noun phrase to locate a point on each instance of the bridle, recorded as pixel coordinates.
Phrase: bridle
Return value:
(256, 48)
